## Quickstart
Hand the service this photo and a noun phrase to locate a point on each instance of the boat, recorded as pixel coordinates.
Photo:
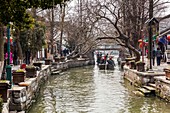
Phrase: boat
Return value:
(106, 67)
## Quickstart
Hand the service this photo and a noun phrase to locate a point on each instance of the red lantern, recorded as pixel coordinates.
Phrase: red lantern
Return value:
(140, 40)
(10, 40)
(140, 45)
(168, 37)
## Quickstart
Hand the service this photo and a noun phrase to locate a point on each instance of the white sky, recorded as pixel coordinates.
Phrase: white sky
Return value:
(167, 11)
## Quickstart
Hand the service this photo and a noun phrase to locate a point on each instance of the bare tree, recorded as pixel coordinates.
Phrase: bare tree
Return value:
(127, 18)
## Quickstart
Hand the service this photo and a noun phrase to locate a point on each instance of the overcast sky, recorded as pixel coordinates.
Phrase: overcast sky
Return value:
(167, 11)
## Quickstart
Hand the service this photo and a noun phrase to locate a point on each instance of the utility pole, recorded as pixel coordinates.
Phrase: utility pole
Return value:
(8, 67)
(150, 31)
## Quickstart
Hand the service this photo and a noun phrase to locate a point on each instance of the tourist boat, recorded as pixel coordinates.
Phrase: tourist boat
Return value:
(106, 67)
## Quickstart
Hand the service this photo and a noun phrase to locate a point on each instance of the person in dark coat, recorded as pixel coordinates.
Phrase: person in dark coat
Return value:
(153, 56)
(158, 56)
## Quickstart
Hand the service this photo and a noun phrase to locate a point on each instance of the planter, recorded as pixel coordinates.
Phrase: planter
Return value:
(62, 59)
(4, 85)
(132, 65)
(167, 73)
(47, 61)
(128, 60)
(140, 66)
(122, 63)
(38, 64)
(31, 72)
(18, 77)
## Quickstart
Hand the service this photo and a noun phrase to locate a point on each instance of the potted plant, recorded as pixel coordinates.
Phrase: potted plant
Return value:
(38, 64)
(18, 76)
(140, 66)
(31, 71)
(4, 86)
(167, 73)
(59, 59)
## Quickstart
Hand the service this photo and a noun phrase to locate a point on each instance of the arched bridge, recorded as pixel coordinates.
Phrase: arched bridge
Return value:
(109, 47)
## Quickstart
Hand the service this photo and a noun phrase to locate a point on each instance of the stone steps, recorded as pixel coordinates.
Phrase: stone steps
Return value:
(147, 90)
(57, 72)
(152, 85)
(144, 91)
(138, 93)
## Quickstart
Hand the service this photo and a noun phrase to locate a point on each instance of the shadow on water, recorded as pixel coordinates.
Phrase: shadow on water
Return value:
(90, 90)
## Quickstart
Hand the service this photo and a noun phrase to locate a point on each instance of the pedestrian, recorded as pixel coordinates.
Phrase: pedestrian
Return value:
(158, 56)
(153, 56)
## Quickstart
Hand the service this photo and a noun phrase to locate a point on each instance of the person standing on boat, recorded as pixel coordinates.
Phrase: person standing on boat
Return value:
(105, 58)
(98, 58)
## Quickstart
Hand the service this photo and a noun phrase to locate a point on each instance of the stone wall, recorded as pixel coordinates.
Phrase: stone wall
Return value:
(71, 64)
(23, 95)
(163, 88)
(140, 78)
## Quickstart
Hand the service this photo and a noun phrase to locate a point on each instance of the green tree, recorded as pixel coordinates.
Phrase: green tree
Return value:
(15, 11)
(33, 39)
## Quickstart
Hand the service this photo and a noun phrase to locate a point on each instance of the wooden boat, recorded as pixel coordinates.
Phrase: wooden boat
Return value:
(106, 67)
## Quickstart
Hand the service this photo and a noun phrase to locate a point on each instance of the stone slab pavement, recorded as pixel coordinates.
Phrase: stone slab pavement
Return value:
(155, 67)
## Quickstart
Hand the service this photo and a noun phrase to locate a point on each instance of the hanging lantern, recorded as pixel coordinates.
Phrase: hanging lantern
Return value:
(11, 39)
(140, 45)
(168, 37)
(140, 40)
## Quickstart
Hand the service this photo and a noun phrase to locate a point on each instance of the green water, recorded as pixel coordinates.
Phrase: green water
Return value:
(89, 90)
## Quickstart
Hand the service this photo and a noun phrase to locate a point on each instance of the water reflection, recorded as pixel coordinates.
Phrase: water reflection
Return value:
(89, 90)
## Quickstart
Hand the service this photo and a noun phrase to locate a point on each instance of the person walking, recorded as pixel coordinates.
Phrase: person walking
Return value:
(158, 56)
(153, 56)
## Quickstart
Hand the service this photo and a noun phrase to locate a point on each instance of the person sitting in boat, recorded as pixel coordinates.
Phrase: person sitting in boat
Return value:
(99, 56)
(111, 61)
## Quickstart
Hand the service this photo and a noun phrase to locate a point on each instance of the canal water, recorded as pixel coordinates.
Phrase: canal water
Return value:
(90, 90)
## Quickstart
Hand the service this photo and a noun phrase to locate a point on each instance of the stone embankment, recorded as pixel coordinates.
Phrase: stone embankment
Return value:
(22, 96)
(149, 82)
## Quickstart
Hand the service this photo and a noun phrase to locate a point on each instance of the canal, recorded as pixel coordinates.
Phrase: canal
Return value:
(90, 90)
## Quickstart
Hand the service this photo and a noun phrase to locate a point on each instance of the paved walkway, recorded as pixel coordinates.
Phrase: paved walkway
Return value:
(155, 67)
